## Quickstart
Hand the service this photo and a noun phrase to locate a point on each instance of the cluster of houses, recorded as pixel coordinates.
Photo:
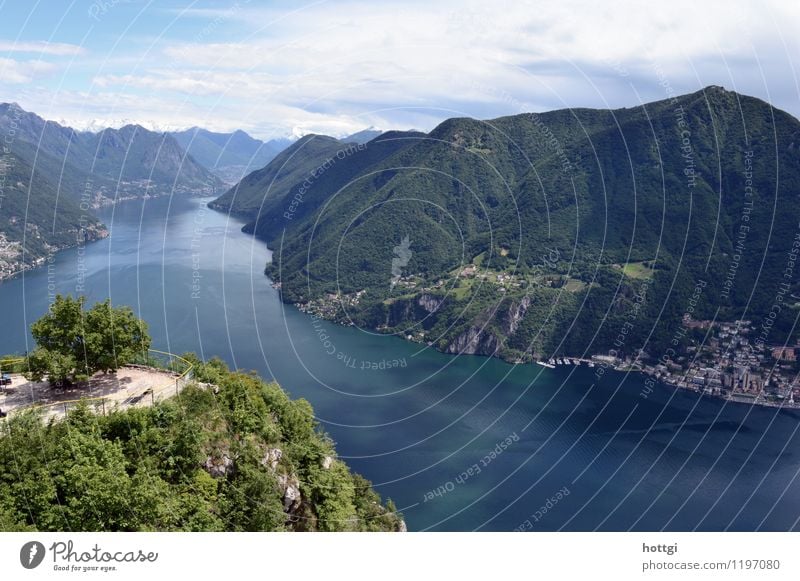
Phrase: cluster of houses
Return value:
(733, 365)
(330, 305)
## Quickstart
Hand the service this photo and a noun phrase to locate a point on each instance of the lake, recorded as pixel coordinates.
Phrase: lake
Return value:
(458, 442)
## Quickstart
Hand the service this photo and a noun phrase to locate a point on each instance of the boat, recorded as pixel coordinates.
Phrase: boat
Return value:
(546, 364)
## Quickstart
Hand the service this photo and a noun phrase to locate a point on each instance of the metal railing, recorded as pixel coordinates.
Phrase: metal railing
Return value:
(9, 364)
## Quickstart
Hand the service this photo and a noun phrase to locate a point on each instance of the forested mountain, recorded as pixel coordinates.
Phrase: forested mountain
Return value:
(130, 161)
(231, 156)
(36, 220)
(54, 177)
(292, 165)
(333, 171)
(547, 233)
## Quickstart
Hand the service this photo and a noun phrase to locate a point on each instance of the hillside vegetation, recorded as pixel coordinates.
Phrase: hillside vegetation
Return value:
(230, 453)
(528, 235)
(36, 220)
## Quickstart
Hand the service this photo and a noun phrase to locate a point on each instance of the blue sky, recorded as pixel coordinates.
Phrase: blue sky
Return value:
(279, 68)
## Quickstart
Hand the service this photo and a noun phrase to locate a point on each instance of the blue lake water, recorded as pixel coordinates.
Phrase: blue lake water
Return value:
(459, 443)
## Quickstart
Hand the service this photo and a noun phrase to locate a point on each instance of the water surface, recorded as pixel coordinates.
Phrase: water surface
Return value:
(459, 443)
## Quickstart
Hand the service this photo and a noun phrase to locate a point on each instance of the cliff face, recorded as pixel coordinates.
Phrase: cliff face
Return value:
(475, 341)
(515, 314)
(484, 339)
(488, 333)
(307, 487)
(429, 303)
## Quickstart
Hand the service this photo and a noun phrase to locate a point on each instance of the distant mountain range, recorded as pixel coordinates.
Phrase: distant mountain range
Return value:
(53, 176)
(231, 156)
(363, 136)
(130, 161)
(568, 232)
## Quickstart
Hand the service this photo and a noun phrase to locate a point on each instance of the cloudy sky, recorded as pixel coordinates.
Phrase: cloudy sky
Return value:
(294, 67)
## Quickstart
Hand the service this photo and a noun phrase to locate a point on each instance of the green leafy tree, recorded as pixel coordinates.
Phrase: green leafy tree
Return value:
(74, 343)
(145, 469)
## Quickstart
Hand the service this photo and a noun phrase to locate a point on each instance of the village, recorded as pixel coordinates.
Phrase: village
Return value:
(731, 364)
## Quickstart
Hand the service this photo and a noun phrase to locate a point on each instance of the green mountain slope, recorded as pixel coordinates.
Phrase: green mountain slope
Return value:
(336, 172)
(574, 222)
(231, 454)
(293, 165)
(35, 219)
(135, 154)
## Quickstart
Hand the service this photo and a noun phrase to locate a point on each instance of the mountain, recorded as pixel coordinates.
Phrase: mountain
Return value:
(230, 156)
(135, 155)
(281, 186)
(363, 136)
(126, 162)
(54, 176)
(293, 165)
(568, 232)
(35, 219)
(333, 172)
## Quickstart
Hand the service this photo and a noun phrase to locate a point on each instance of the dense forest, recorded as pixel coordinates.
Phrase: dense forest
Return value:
(552, 233)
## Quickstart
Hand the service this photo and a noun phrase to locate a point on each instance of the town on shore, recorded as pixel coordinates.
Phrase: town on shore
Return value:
(733, 363)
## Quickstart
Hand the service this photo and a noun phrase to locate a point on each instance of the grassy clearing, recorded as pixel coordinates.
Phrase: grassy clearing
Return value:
(463, 289)
(574, 285)
(639, 270)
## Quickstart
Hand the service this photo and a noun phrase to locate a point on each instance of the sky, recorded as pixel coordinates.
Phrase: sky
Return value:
(282, 68)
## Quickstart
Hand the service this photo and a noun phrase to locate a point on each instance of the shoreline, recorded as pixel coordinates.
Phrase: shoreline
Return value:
(604, 362)
(41, 261)
(674, 381)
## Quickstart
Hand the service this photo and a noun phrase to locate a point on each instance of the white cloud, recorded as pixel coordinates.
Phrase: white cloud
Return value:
(338, 67)
(42, 47)
(17, 72)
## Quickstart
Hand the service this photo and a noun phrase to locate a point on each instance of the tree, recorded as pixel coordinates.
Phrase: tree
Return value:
(115, 336)
(144, 468)
(74, 343)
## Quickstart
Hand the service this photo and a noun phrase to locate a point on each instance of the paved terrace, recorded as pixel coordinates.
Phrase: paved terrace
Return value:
(130, 386)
